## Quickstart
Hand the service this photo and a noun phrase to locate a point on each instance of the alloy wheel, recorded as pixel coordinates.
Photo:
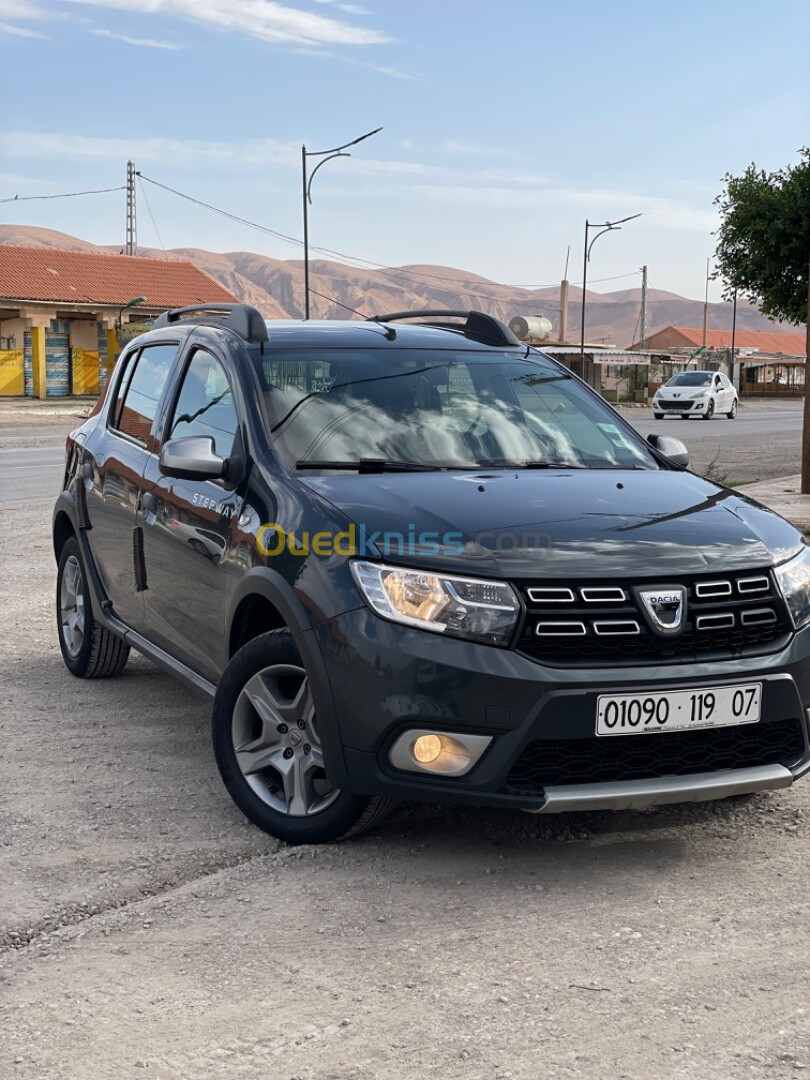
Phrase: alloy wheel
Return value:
(276, 743)
(71, 606)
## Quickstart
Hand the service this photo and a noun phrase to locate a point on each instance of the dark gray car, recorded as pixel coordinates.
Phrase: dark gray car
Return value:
(426, 562)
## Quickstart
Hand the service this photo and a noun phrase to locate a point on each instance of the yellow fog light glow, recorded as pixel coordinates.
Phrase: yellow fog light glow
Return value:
(427, 748)
(423, 750)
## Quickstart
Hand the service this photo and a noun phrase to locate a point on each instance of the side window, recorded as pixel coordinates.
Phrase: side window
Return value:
(144, 390)
(127, 367)
(205, 405)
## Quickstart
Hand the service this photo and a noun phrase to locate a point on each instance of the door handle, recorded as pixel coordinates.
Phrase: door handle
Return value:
(148, 503)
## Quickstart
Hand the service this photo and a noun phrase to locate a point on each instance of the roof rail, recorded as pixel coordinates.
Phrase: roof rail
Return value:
(242, 319)
(478, 326)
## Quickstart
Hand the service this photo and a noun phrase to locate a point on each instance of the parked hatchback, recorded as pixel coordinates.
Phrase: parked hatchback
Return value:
(426, 562)
(696, 393)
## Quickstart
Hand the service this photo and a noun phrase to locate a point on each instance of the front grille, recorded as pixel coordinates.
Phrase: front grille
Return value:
(682, 405)
(727, 616)
(640, 757)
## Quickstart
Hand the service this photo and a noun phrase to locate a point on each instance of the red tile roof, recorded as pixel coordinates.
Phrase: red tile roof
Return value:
(84, 277)
(765, 341)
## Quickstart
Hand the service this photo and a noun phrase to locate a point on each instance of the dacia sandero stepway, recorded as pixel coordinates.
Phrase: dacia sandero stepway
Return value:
(421, 560)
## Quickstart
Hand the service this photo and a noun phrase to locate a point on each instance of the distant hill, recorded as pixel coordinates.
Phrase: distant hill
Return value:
(276, 288)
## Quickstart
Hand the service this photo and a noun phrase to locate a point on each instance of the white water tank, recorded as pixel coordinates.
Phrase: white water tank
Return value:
(531, 327)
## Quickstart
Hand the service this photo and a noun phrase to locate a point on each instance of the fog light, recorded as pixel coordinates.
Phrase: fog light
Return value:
(437, 751)
(427, 748)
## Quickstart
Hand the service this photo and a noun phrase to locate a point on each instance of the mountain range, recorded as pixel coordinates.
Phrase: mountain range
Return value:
(276, 288)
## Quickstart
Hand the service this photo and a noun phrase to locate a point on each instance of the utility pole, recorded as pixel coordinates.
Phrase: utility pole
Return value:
(306, 186)
(643, 306)
(563, 324)
(706, 308)
(131, 247)
(806, 427)
(734, 337)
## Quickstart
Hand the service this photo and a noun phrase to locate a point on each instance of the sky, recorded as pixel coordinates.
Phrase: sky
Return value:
(505, 125)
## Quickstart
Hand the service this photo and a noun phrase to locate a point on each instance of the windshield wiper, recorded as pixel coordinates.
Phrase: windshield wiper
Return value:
(505, 463)
(369, 465)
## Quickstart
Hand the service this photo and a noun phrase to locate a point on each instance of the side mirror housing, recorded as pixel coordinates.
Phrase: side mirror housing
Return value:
(192, 458)
(671, 448)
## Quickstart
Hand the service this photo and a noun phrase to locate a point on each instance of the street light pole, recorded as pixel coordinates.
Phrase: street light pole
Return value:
(607, 226)
(306, 185)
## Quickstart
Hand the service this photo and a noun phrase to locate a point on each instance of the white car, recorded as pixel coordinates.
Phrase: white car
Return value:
(696, 393)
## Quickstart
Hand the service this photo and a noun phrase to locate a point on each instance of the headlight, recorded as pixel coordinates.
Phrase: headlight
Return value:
(461, 607)
(794, 581)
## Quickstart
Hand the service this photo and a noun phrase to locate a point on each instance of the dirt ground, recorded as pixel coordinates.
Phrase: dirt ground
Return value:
(147, 930)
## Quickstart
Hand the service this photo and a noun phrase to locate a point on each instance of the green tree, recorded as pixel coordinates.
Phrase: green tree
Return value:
(763, 243)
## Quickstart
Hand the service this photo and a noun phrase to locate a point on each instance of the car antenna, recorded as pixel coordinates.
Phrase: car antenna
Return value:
(390, 332)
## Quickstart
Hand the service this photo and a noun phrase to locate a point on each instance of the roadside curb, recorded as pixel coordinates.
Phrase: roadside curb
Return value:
(784, 497)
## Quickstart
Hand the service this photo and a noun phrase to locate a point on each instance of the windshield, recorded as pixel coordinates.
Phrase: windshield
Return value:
(442, 408)
(691, 378)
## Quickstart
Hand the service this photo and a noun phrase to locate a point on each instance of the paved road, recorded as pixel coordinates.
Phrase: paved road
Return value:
(761, 444)
(34, 473)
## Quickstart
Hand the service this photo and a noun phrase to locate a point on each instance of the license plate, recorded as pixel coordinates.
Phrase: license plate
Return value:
(678, 710)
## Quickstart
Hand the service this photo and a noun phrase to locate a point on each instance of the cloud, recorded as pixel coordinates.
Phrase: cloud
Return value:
(19, 31)
(194, 152)
(456, 146)
(20, 9)
(662, 213)
(267, 20)
(350, 9)
(148, 43)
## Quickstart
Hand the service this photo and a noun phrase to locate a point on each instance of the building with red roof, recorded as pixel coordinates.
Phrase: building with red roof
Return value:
(62, 313)
(769, 342)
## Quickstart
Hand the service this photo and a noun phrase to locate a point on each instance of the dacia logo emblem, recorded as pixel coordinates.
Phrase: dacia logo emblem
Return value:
(665, 608)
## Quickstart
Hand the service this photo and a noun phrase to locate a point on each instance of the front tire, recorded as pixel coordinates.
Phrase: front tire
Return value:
(268, 749)
(88, 649)
(658, 416)
(731, 415)
(709, 411)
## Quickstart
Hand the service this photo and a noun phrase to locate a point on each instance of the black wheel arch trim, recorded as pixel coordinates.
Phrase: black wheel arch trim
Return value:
(271, 586)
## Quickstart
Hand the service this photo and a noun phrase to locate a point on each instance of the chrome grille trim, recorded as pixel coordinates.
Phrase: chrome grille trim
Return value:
(705, 590)
(759, 617)
(750, 585)
(550, 595)
(607, 594)
(560, 629)
(616, 627)
(715, 622)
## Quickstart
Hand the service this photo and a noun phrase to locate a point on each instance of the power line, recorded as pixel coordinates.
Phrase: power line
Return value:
(407, 275)
(152, 218)
(346, 307)
(64, 195)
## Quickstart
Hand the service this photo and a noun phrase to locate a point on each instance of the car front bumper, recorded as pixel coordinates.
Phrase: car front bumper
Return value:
(385, 679)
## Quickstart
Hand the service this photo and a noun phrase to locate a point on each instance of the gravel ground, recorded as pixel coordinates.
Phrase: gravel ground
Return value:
(147, 930)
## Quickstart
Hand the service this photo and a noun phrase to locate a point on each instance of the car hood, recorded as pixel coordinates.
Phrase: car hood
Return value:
(586, 523)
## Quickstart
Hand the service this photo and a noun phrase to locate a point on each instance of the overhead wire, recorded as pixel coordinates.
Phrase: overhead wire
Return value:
(63, 195)
(152, 218)
(391, 271)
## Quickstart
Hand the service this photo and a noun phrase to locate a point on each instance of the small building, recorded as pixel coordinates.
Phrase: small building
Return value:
(689, 338)
(764, 361)
(63, 313)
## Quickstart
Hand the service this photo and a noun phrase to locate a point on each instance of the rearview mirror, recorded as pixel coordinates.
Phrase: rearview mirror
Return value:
(192, 458)
(671, 448)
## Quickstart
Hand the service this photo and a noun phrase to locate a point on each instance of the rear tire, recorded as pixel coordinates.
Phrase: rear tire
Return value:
(88, 649)
(268, 751)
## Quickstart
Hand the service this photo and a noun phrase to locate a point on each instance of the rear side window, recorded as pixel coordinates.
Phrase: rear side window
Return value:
(143, 390)
(205, 405)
